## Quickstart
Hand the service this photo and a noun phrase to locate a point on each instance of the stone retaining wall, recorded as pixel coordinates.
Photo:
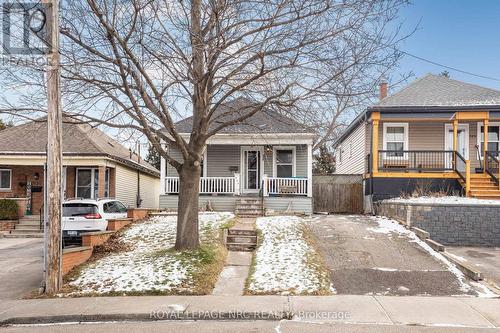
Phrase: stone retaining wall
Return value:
(449, 224)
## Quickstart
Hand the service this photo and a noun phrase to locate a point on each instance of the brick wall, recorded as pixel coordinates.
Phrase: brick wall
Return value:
(449, 224)
(75, 256)
(7, 225)
(20, 176)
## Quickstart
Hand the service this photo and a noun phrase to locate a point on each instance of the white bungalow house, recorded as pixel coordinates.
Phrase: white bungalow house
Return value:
(268, 157)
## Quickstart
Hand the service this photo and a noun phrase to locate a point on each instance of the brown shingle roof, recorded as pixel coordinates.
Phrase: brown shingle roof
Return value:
(79, 139)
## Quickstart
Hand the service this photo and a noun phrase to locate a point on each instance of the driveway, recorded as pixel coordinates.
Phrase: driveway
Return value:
(485, 259)
(21, 262)
(365, 259)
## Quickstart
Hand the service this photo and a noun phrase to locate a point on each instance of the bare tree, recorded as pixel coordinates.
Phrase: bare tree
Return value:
(141, 64)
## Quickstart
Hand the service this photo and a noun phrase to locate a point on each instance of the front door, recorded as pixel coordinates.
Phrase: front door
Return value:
(251, 169)
(462, 141)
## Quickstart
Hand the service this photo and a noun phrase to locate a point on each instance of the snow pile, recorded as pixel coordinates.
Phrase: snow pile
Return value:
(283, 260)
(388, 226)
(446, 200)
(150, 265)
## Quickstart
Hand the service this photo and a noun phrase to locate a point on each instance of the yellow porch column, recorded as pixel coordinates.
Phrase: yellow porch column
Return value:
(486, 124)
(375, 123)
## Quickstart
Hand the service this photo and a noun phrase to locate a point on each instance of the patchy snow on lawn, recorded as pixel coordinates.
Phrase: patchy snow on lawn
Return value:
(284, 262)
(389, 226)
(446, 200)
(149, 265)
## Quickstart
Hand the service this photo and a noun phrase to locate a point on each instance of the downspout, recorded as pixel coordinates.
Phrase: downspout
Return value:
(370, 161)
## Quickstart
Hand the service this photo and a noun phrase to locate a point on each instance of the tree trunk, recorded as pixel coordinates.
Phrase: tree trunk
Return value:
(187, 218)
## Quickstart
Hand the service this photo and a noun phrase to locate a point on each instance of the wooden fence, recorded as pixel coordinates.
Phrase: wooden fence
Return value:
(338, 194)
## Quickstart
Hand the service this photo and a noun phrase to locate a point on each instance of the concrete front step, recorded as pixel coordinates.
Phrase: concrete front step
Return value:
(249, 201)
(24, 231)
(28, 227)
(240, 247)
(236, 232)
(248, 211)
(29, 222)
(248, 206)
(30, 235)
(241, 239)
(31, 217)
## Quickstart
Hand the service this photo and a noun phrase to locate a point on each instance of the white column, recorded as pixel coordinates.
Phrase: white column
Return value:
(309, 170)
(265, 186)
(237, 183)
(163, 168)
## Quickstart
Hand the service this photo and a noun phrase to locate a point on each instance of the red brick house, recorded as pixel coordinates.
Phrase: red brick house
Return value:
(95, 166)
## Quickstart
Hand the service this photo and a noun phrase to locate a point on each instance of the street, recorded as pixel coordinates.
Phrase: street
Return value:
(241, 327)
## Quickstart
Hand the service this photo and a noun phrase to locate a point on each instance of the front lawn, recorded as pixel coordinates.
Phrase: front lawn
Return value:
(150, 266)
(285, 261)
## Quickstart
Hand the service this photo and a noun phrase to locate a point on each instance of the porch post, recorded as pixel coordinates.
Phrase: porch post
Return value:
(309, 170)
(265, 186)
(375, 123)
(467, 178)
(101, 181)
(486, 124)
(163, 167)
(237, 183)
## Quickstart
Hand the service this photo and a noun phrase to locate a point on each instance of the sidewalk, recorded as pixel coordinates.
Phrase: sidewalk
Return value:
(444, 311)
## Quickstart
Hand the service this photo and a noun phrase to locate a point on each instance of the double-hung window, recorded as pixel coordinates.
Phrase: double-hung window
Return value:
(87, 183)
(284, 162)
(5, 179)
(395, 139)
(493, 138)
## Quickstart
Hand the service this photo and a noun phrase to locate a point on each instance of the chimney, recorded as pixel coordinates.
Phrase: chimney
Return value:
(383, 89)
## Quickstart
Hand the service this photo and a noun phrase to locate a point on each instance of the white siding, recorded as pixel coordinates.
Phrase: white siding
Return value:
(353, 152)
(126, 188)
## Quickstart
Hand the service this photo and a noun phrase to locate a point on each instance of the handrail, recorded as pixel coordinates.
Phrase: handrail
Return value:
(460, 160)
(416, 160)
(491, 165)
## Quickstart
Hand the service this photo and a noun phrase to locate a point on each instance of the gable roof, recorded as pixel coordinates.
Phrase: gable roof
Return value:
(264, 121)
(436, 90)
(79, 139)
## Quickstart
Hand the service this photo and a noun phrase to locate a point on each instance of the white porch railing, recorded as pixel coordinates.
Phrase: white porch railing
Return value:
(208, 185)
(289, 186)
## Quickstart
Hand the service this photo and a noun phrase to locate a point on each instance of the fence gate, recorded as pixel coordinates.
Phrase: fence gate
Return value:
(338, 194)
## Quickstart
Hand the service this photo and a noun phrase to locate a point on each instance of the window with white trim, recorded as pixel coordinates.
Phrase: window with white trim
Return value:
(493, 138)
(395, 139)
(87, 183)
(5, 179)
(284, 162)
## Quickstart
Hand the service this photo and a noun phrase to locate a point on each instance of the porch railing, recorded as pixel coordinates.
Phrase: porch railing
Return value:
(415, 160)
(208, 185)
(461, 166)
(287, 186)
(491, 164)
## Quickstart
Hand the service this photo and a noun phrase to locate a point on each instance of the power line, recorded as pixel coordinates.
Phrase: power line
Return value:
(448, 67)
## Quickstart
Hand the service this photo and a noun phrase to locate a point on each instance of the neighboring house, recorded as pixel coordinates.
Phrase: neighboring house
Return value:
(267, 155)
(432, 135)
(94, 166)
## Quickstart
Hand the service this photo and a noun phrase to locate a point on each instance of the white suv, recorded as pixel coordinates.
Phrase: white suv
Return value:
(86, 215)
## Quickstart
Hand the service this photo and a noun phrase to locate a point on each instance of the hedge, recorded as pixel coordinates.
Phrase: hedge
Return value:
(8, 209)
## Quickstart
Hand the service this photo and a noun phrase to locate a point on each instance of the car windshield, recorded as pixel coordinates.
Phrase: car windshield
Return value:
(79, 209)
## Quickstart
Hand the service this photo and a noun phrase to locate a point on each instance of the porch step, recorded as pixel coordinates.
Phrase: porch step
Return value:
(29, 222)
(35, 227)
(24, 235)
(249, 208)
(241, 240)
(25, 231)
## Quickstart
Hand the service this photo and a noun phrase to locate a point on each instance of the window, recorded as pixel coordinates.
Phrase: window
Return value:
(79, 209)
(5, 179)
(395, 139)
(493, 137)
(284, 158)
(87, 183)
(113, 207)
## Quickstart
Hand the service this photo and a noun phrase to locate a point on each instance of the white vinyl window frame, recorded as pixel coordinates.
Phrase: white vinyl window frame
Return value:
(10, 180)
(478, 136)
(93, 172)
(405, 138)
(275, 159)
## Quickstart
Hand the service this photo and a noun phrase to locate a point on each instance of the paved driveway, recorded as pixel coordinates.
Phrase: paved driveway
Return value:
(21, 266)
(364, 260)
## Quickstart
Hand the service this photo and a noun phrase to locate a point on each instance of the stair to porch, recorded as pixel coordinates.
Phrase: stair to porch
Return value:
(483, 187)
(249, 207)
(241, 240)
(28, 227)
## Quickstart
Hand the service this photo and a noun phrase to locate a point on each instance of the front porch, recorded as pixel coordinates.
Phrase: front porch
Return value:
(460, 147)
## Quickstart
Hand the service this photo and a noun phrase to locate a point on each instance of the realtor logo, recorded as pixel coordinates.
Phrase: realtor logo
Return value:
(24, 28)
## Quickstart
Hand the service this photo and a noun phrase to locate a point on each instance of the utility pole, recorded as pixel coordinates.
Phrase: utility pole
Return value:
(53, 274)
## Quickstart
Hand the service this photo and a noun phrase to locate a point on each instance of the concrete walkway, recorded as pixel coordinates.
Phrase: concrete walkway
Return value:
(232, 278)
(354, 309)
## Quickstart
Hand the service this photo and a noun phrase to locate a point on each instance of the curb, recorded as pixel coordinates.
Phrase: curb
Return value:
(152, 316)
(469, 271)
